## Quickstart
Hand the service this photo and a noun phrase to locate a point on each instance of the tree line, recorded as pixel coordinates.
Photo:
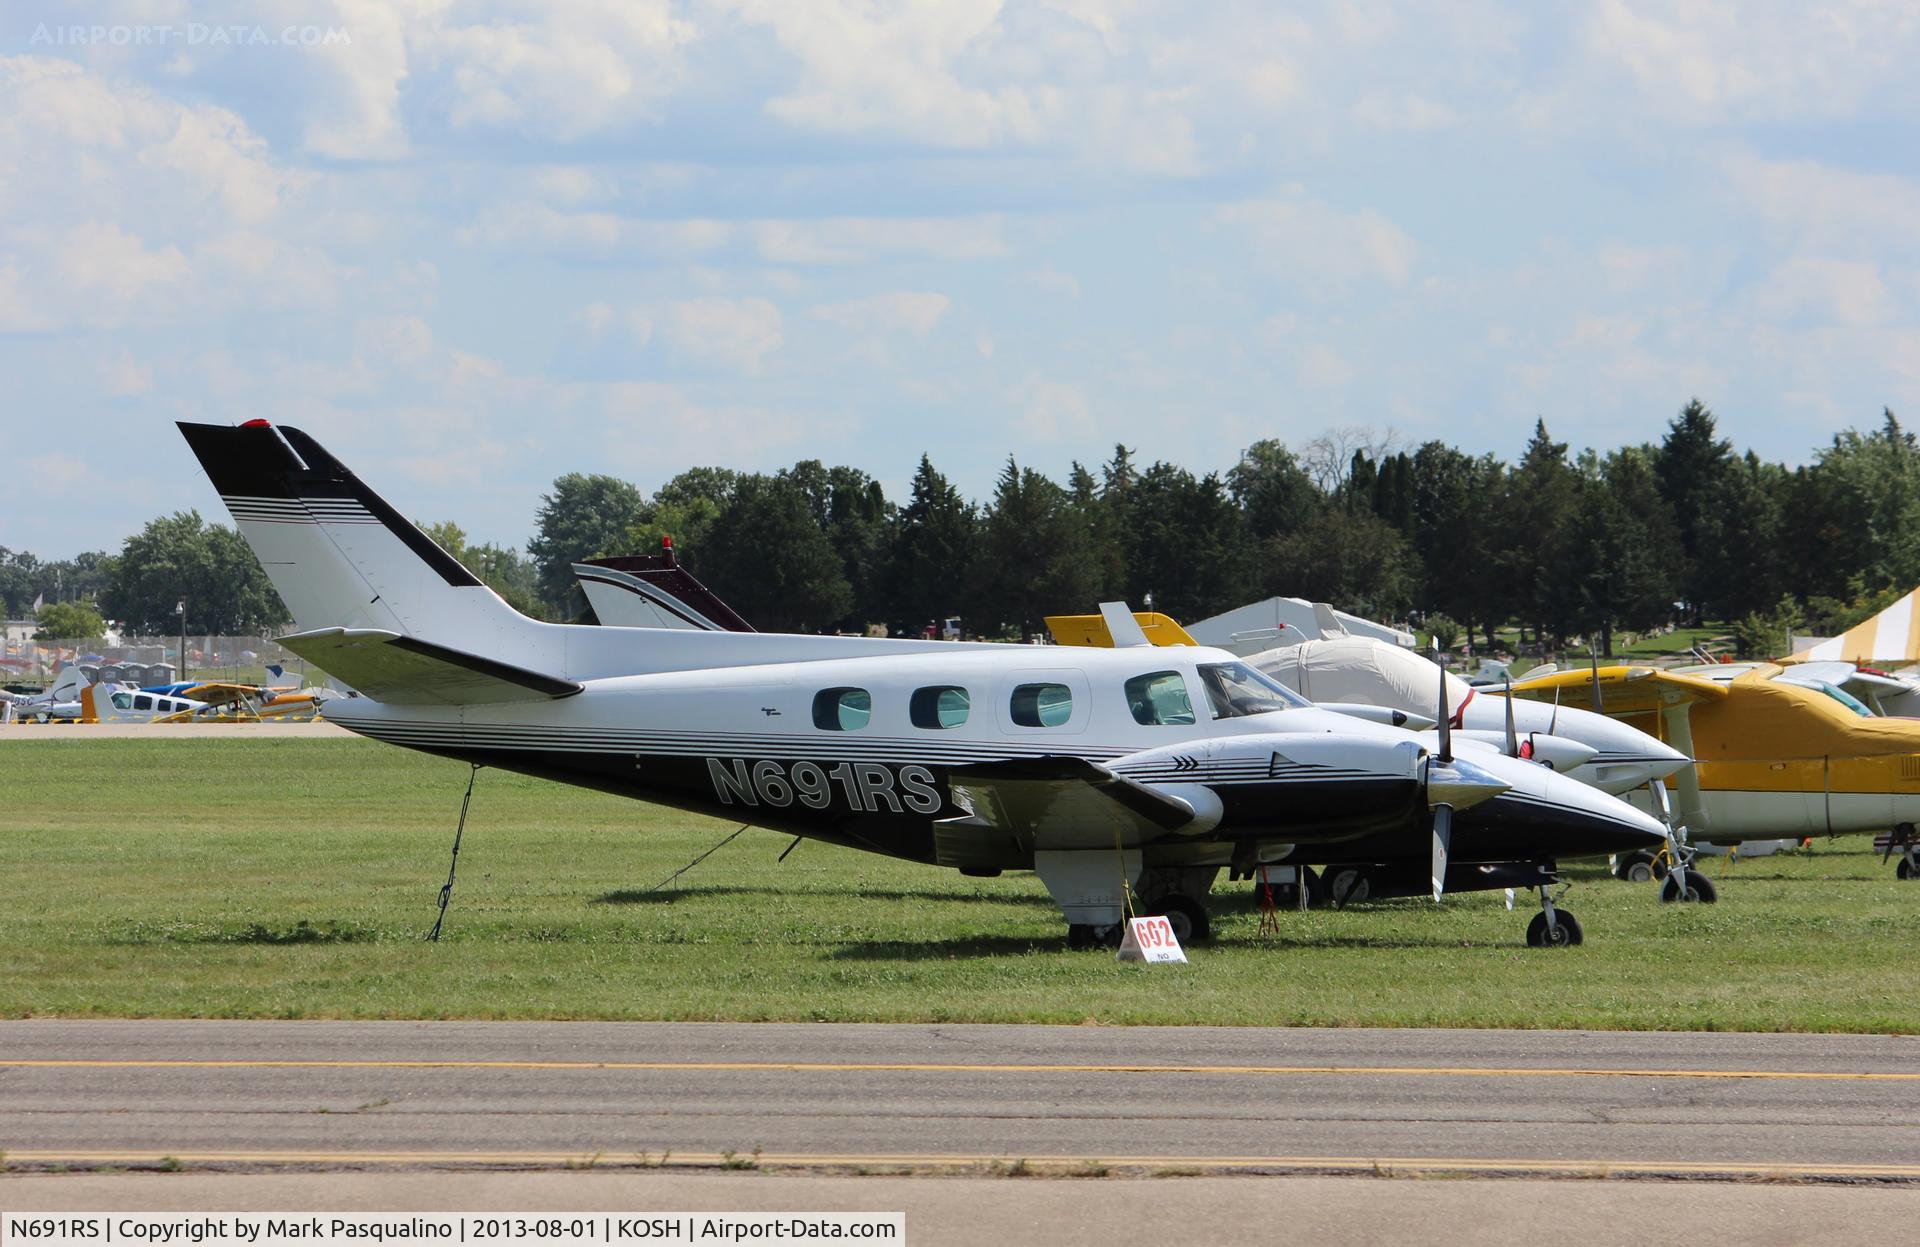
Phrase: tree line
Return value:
(1590, 544)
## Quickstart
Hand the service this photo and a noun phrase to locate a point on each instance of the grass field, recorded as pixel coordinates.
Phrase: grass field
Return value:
(296, 878)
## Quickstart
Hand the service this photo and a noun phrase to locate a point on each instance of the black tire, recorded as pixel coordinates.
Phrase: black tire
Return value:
(1347, 885)
(1700, 890)
(1080, 936)
(1187, 916)
(1566, 930)
(1636, 868)
(1903, 871)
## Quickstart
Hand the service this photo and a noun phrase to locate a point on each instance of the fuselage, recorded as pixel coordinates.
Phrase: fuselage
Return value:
(860, 751)
(1371, 672)
(1779, 759)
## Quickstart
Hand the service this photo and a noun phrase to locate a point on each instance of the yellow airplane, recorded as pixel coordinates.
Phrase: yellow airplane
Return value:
(1772, 759)
(245, 703)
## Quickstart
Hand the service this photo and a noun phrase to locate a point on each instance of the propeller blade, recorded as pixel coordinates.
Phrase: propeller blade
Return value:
(1509, 898)
(1445, 715)
(1553, 723)
(1513, 737)
(1599, 704)
(1442, 841)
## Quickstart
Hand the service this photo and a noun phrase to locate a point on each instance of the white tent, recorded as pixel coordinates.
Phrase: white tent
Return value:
(1890, 639)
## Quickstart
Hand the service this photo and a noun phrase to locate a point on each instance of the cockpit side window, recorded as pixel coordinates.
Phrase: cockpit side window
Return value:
(1159, 698)
(1235, 689)
(123, 700)
(1846, 699)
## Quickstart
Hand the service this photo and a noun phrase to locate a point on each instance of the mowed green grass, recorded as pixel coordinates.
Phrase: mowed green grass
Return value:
(297, 878)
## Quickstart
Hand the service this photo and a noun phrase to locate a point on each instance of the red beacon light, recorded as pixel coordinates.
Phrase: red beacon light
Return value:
(257, 424)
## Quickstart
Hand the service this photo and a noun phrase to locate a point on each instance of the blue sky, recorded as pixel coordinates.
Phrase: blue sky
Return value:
(473, 246)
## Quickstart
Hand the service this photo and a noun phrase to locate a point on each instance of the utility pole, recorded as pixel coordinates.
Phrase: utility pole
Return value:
(180, 609)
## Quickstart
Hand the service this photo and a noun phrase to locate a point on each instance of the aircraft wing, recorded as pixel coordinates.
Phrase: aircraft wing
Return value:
(387, 666)
(1062, 803)
(1622, 689)
(1092, 631)
(216, 693)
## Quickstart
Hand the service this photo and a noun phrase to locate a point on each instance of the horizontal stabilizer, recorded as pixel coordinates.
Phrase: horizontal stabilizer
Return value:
(404, 670)
(1065, 803)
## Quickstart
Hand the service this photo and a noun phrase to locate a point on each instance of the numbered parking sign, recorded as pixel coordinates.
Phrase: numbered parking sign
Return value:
(1150, 939)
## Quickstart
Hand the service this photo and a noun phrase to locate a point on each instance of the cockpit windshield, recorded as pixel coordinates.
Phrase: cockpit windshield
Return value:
(1846, 699)
(1235, 689)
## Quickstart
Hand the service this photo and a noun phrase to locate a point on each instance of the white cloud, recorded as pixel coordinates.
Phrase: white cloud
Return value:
(359, 119)
(977, 75)
(1382, 111)
(1829, 292)
(910, 311)
(849, 240)
(561, 72)
(1317, 243)
(398, 341)
(730, 333)
(1837, 210)
(1707, 60)
(1053, 281)
(103, 269)
(1055, 411)
(1322, 367)
(123, 376)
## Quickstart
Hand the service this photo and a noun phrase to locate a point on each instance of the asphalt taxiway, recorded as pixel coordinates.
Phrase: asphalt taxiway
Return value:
(933, 1098)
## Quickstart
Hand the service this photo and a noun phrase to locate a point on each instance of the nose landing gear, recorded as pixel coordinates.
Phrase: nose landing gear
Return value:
(1553, 927)
(1904, 839)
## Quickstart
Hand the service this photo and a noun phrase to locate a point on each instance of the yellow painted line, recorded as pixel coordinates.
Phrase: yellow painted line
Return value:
(1592, 1167)
(1417, 1071)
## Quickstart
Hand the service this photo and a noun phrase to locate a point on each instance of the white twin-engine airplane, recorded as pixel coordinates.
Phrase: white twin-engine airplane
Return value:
(1100, 770)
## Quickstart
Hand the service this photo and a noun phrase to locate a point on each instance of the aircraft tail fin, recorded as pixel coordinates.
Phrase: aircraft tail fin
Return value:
(339, 554)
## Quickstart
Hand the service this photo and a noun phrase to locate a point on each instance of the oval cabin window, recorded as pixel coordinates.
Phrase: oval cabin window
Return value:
(842, 709)
(1041, 705)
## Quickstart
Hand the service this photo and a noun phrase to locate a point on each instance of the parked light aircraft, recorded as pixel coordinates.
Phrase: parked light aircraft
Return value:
(120, 703)
(1103, 771)
(653, 591)
(1336, 670)
(1352, 675)
(1774, 758)
(59, 700)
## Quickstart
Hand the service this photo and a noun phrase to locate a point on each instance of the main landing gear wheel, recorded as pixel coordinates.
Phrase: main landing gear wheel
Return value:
(1348, 885)
(1639, 868)
(1186, 916)
(1905, 870)
(1700, 889)
(1081, 935)
(1564, 933)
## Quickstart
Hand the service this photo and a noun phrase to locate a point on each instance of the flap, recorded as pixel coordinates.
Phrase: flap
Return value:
(407, 671)
(1062, 802)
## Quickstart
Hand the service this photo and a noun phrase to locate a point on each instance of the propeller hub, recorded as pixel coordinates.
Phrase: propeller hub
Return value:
(1461, 784)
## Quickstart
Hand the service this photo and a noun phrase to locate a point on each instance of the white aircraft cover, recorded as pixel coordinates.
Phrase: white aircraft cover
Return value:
(1364, 670)
(1259, 626)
